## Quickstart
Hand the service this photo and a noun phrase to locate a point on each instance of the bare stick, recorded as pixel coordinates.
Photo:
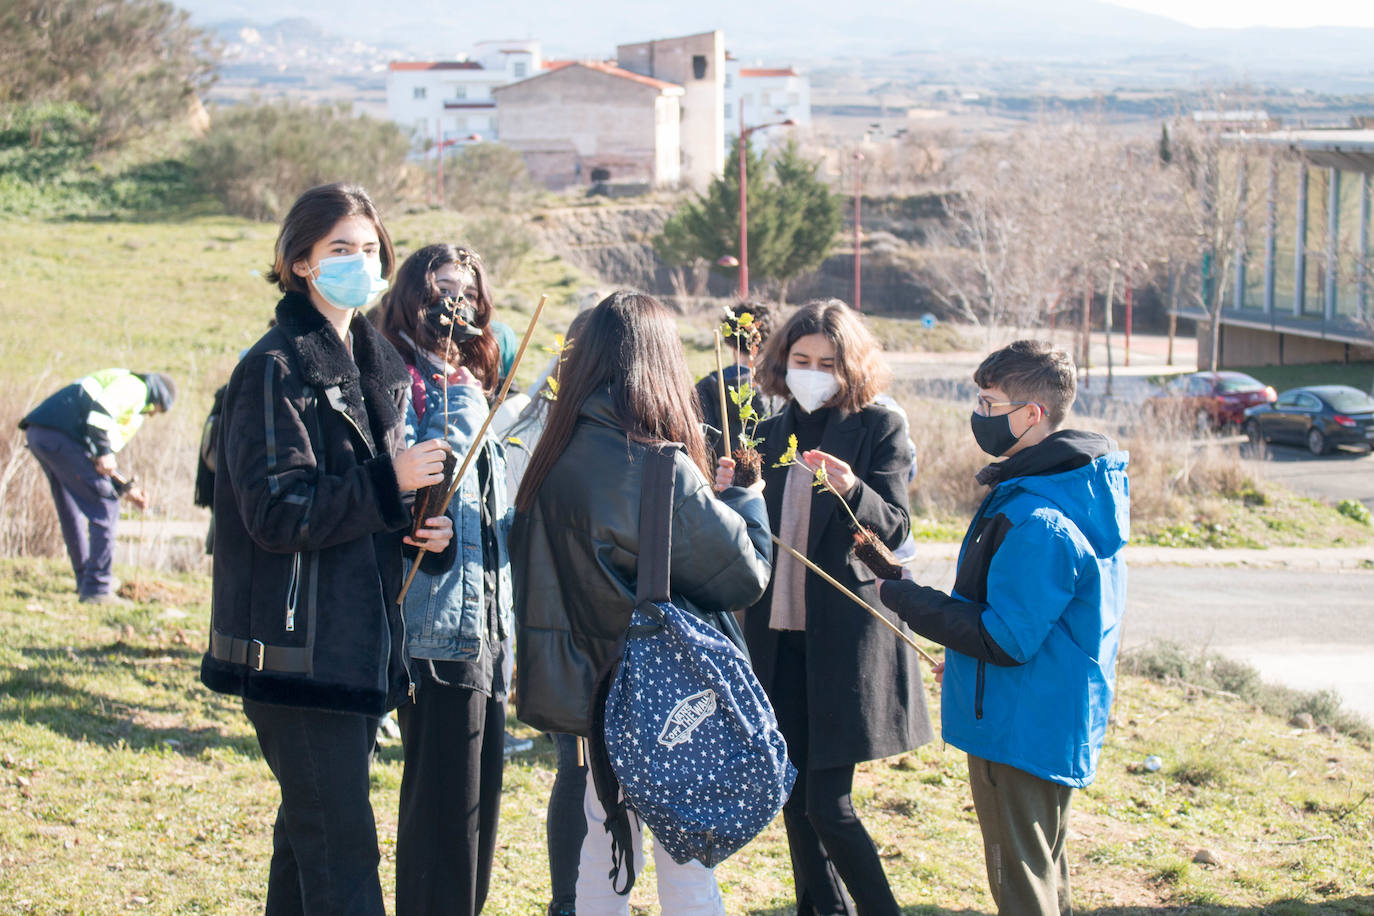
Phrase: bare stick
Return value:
(1324, 838)
(857, 600)
(477, 440)
(724, 411)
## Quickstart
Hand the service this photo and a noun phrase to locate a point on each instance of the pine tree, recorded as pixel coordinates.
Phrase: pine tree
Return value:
(812, 211)
(792, 216)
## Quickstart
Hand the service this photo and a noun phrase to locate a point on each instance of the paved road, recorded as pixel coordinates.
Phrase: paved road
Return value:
(1313, 630)
(1343, 474)
(1308, 624)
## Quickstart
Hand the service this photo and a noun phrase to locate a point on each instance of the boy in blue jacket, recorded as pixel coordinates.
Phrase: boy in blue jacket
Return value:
(1034, 621)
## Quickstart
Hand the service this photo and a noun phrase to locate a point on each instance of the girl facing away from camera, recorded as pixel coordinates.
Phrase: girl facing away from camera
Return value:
(624, 389)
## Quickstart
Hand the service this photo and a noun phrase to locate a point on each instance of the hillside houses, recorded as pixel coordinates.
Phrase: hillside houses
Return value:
(764, 95)
(590, 121)
(452, 100)
(660, 113)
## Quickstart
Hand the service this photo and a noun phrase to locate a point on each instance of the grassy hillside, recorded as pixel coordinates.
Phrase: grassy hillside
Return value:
(183, 295)
(124, 784)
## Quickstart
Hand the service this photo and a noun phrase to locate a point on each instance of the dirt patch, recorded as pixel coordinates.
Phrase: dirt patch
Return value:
(159, 721)
(146, 591)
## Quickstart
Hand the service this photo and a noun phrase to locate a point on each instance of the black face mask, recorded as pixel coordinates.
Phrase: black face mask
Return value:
(461, 314)
(993, 434)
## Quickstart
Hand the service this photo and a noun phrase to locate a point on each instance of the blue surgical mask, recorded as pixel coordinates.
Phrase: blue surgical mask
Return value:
(349, 281)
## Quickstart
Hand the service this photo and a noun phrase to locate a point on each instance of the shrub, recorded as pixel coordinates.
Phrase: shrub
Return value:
(1177, 490)
(135, 64)
(49, 167)
(258, 158)
(946, 459)
(1168, 475)
(1166, 662)
(503, 239)
(488, 176)
(1353, 508)
(1201, 770)
(28, 526)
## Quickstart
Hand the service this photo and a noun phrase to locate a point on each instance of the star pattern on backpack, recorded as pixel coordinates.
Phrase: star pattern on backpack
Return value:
(694, 740)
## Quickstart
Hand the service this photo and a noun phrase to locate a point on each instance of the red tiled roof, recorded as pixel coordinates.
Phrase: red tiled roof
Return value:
(778, 71)
(610, 70)
(434, 65)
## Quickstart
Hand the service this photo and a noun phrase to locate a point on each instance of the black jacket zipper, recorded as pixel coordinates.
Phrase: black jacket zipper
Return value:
(978, 691)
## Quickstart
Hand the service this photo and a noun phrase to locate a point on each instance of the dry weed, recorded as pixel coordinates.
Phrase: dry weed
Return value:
(28, 523)
(1174, 476)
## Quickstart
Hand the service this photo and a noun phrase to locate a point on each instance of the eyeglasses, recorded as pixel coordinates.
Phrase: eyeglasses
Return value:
(986, 405)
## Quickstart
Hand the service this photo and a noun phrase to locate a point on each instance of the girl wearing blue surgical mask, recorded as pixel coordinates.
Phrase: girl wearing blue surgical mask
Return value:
(312, 488)
(828, 667)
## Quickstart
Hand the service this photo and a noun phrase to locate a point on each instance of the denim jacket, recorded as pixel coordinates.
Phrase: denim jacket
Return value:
(445, 614)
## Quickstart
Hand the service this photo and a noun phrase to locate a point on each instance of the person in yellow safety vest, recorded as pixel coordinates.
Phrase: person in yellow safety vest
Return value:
(75, 434)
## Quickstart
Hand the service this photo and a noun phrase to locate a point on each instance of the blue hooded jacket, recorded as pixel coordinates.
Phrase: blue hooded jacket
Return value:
(1041, 586)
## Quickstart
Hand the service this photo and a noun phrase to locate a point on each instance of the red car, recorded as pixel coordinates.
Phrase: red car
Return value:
(1213, 400)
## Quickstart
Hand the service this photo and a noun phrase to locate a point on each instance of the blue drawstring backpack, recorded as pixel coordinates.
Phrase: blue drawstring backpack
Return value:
(689, 734)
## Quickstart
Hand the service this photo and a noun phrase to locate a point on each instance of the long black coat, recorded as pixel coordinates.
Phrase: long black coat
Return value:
(863, 690)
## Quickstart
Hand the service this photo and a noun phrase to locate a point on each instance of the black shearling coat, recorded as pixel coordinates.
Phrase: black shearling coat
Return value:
(309, 520)
(864, 694)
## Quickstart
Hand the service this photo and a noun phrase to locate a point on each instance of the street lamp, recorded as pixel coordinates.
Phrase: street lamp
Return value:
(744, 133)
(858, 196)
(439, 151)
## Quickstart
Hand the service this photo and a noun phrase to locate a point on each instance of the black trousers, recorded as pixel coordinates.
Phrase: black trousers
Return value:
(567, 822)
(831, 850)
(324, 842)
(454, 743)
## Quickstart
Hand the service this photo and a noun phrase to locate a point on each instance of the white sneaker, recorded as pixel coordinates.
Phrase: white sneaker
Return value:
(388, 732)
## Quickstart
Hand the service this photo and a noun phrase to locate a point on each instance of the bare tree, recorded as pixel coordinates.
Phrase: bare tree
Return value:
(1005, 252)
(1137, 211)
(1220, 186)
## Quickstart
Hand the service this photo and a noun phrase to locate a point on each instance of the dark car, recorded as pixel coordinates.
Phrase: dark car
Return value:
(1319, 416)
(1211, 400)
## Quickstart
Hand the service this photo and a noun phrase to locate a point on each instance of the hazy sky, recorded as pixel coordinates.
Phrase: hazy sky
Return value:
(1278, 13)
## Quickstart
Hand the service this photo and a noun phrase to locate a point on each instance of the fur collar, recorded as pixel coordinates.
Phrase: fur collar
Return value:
(368, 387)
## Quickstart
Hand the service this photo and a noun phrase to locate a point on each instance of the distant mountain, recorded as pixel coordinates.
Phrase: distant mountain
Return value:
(810, 31)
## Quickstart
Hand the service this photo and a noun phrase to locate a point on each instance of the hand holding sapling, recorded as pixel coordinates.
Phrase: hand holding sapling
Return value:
(868, 547)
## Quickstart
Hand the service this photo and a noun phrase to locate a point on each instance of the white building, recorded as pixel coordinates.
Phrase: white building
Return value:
(697, 64)
(453, 99)
(586, 121)
(766, 95)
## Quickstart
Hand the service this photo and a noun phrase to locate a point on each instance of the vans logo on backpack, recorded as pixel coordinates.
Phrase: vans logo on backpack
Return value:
(686, 716)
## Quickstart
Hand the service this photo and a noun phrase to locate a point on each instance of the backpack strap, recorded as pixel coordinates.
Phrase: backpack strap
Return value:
(607, 786)
(655, 534)
(655, 531)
